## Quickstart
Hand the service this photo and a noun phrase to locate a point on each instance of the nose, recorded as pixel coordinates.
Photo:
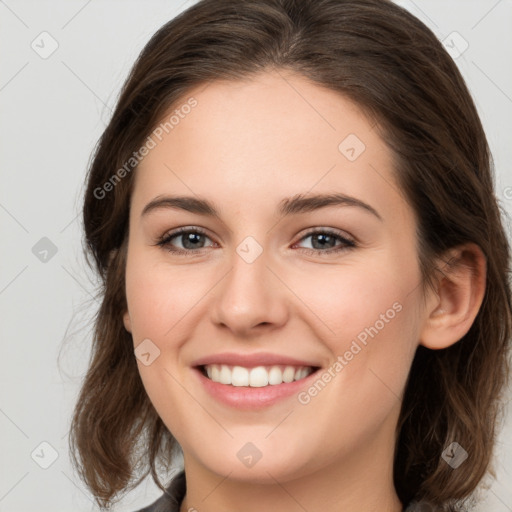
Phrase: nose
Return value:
(250, 298)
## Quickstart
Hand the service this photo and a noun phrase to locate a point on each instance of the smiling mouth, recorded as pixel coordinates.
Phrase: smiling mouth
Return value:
(256, 377)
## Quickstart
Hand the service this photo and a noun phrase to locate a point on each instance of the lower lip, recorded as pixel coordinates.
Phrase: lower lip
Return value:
(246, 397)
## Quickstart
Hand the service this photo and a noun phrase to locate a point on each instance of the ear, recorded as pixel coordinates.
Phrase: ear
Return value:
(459, 292)
(127, 322)
(126, 317)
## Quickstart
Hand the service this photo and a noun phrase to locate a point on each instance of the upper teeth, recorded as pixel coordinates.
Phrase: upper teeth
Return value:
(256, 377)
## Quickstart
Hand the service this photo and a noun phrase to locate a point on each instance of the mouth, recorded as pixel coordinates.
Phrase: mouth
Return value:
(254, 381)
(257, 376)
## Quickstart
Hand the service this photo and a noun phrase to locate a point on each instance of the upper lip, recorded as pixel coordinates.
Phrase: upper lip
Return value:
(252, 360)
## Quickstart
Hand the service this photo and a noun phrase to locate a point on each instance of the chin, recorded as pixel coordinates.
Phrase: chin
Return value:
(259, 462)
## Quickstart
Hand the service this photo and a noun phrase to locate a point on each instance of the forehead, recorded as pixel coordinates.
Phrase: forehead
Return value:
(273, 134)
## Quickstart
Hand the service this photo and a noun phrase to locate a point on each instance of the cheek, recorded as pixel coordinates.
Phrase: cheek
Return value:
(346, 300)
(159, 300)
(367, 319)
(159, 296)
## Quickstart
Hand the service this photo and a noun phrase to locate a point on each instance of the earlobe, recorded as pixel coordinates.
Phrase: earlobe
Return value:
(127, 322)
(453, 306)
(126, 316)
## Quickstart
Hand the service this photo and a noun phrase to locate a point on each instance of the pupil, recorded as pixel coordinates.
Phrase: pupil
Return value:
(326, 238)
(189, 237)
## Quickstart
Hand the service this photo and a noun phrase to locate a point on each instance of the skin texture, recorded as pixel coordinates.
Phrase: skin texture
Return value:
(246, 146)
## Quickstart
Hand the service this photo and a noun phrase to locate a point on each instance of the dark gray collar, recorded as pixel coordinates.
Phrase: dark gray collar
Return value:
(171, 500)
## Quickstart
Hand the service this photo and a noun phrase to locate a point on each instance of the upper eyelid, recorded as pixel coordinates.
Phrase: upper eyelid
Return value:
(185, 229)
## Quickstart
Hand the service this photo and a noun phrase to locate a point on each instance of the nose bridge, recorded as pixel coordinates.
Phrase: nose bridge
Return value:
(249, 294)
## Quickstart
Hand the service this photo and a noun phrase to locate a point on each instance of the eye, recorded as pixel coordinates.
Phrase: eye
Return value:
(190, 238)
(324, 242)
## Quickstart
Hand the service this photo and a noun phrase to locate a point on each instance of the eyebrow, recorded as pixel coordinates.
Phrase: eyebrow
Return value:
(300, 203)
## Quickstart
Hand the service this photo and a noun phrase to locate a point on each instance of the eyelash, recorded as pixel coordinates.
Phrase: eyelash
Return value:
(348, 244)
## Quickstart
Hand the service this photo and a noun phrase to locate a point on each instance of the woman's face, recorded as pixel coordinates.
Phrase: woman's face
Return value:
(275, 285)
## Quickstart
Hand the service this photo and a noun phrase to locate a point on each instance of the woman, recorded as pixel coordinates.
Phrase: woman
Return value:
(338, 337)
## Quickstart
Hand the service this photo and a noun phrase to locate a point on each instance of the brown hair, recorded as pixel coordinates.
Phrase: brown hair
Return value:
(389, 63)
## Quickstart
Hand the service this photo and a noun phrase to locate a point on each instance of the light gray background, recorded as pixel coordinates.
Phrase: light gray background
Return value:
(52, 112)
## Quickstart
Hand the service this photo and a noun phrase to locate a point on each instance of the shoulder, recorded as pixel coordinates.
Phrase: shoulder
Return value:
(171, 499)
